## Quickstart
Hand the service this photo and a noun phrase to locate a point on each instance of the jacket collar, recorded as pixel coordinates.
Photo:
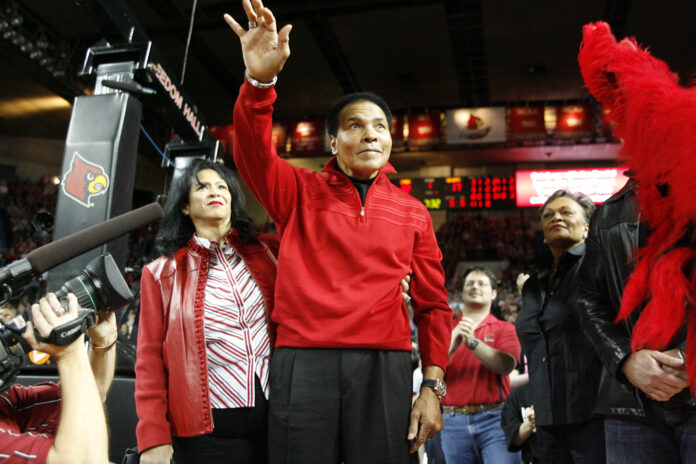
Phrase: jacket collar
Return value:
(232, 239)
(572, 255)
(577, 251)
(332, 168)
(628, 189)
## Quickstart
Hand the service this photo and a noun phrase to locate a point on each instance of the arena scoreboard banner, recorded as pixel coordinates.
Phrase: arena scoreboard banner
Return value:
(476, 125)
(397, 132)
(424, 129)
(607, 126)
(534, 187)
(225, 134)
(525, 188)
(279, 136)
(307, 138)
(574, 121)
(526, 123)
(445, 193)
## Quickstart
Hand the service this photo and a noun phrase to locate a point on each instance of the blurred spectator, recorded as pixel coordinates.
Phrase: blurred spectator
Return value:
(473, 236)
(483, 352)
(26, 223)
(518, 422)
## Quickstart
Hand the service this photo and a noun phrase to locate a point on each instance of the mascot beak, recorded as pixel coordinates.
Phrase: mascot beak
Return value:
(97, 185)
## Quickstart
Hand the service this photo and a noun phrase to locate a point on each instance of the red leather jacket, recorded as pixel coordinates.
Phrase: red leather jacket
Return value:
(171, 383)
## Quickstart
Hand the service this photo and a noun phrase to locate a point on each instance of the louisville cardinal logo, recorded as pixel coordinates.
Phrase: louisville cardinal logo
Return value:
(476, 128)
(84, 180)
(474, 122)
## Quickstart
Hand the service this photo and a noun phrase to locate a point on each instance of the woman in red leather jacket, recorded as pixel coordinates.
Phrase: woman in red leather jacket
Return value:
(204, 339)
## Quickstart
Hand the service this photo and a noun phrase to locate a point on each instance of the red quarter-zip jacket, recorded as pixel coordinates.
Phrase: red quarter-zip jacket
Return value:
(340, 264)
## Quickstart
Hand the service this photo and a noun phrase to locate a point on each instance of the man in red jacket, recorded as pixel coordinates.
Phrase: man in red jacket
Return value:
(340, 374)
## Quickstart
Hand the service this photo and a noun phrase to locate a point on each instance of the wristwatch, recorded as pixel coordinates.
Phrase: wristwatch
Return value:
(473, 344)
(437, 385)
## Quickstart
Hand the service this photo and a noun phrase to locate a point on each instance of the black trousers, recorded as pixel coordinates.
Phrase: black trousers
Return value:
(579, 443)
(344, 405)
(240, 436)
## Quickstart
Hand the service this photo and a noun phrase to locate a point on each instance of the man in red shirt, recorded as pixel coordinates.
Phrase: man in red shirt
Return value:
(483, 351)
(340, 373)
(50, 423)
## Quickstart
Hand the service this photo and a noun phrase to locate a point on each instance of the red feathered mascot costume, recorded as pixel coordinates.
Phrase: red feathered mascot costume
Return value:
(656, 118)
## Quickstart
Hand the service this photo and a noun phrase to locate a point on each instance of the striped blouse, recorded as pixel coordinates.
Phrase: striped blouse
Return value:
(238, 344)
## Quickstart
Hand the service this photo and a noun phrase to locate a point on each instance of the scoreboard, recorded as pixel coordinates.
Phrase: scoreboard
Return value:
(444, 193)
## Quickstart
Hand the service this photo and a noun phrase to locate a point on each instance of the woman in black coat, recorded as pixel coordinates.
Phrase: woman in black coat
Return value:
(563, 367)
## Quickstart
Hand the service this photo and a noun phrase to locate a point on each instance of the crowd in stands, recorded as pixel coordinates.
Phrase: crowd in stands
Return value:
(26, 209)
(472, 236)
(475, 236)
(25, 224)
(21, 200)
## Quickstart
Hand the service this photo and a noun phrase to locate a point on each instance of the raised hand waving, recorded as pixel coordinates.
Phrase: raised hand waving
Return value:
(264, 49)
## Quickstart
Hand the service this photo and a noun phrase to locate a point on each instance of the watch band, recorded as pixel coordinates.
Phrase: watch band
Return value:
(438, 386)
(473, 344)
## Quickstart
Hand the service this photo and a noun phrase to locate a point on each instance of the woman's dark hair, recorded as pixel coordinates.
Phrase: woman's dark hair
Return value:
(583, 200)
(335, 111)
(176, 228)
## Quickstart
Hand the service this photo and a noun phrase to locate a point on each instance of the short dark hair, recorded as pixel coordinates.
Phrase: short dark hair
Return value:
(335, 111)
(484, 270)
(176, 228)
(581, 199)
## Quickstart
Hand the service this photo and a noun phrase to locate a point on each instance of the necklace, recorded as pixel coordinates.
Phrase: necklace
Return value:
(554, 268)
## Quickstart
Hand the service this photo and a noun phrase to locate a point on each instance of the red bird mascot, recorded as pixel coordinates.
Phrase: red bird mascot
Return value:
(656, 119)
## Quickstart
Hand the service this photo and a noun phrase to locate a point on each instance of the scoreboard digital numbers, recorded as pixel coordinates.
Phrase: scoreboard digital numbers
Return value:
(444, 193)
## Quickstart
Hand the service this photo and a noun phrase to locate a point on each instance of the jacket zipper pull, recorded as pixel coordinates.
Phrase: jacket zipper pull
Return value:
(362, 211)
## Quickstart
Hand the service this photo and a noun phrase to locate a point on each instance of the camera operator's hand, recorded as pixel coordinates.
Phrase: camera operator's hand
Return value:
(81, 437)
(105, 331)
(47, 315)
(102, 353)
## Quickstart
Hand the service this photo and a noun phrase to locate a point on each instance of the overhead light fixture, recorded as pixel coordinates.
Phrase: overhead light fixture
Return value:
(12, 12)
(20, 106)
(42, 41)
(27, 47)
(16, 20)
(36, 39)
(19, 40)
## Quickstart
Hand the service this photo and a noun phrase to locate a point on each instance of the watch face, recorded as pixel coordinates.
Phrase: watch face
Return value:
(437, 385)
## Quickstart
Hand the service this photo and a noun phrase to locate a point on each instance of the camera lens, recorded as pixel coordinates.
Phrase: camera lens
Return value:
(100, 287)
